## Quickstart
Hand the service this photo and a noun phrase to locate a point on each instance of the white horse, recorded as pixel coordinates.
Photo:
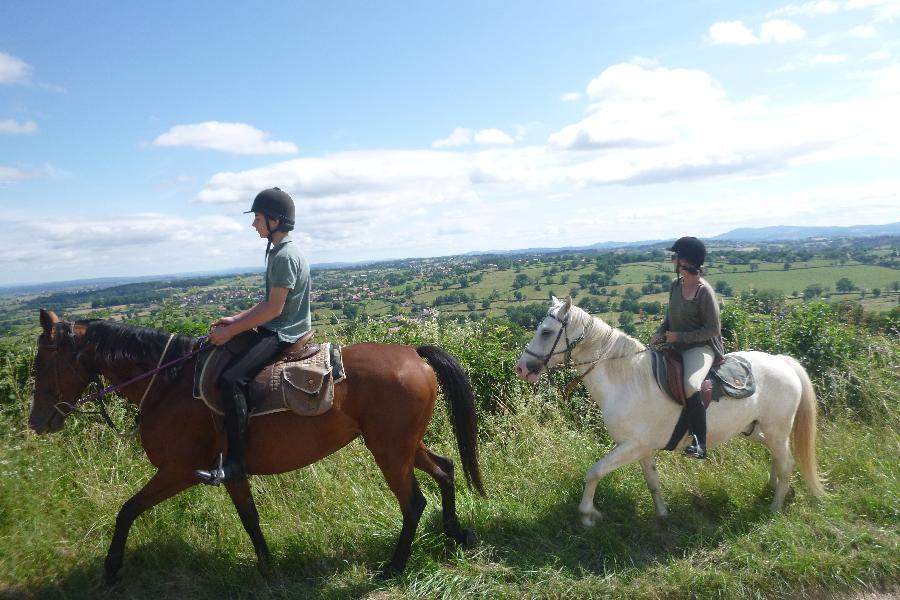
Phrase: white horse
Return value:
(640, 417)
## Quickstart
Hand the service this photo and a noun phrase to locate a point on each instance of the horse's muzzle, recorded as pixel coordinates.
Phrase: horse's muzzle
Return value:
(51, 423)
(523, 370)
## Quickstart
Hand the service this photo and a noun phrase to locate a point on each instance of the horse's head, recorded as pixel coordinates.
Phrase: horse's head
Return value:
(555, 337)
(59, 377)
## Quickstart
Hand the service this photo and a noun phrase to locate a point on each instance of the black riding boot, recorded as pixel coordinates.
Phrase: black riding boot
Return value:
(232, 470)
(697, 417)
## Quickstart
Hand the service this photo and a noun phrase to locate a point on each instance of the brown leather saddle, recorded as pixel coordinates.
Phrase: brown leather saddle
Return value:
(732, 377)
(210, 365)
(668, 368)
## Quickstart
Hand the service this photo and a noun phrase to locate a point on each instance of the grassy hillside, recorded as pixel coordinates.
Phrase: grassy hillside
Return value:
(330, 525)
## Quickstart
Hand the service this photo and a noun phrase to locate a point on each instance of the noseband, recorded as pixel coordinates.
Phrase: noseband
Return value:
(62, 333)
(570, 344)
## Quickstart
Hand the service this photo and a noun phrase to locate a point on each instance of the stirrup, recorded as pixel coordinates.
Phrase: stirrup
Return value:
(227, 473)
(695, 450)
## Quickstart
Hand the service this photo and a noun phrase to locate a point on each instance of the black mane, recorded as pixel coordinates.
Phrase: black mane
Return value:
(114, 343)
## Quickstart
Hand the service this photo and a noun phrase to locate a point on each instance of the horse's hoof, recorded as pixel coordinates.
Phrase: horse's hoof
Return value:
(389, 571)
(110, 578)
(468, 539)
(588, 519)
(265, 566)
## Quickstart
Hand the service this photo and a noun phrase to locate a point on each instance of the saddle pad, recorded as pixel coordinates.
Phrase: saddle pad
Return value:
(305, 387)
(733, 378)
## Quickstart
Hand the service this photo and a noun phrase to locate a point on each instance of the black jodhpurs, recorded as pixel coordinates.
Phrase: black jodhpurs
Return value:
(234, 385)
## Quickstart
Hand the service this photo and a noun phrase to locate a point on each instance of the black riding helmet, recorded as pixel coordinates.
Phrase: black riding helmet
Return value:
(276, 204)
(690, 249)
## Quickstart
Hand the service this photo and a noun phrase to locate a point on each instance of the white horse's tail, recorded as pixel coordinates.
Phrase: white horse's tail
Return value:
(803, 434)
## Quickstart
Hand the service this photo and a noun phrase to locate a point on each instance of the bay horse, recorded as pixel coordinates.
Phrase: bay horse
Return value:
(639, 416)
(387, 398)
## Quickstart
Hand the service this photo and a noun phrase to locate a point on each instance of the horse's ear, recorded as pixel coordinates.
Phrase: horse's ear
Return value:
(554, 300)
(48, 320)
(567, 305)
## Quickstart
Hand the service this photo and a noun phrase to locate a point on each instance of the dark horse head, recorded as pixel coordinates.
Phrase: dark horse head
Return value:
(70, 356)
(60, 374)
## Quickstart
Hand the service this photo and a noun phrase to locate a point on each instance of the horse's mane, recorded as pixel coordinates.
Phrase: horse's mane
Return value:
(618, 350)
(115, 343)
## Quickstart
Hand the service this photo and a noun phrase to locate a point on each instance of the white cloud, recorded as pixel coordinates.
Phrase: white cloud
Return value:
(644, 61)
(458, 137)
(878, 55)
(813, 61)
(807, 9)
(135, 243)
(863, 32)
(731, 32)
(13, 174)
(462, 136)
(12, 126)
(236, 138)
(571, 97)
(493, 137)
(664, 125)
(13, 70)
(736, 33)
(780, 31)
(827, 59)
(630, 104)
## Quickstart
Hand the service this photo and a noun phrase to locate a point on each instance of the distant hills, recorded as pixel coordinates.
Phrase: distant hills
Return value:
(743, 234)
(785, 232)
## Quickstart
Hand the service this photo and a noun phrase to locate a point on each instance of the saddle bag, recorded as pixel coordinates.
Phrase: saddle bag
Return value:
(305, 387)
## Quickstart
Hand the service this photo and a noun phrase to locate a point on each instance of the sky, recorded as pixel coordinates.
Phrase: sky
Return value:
(133, 136)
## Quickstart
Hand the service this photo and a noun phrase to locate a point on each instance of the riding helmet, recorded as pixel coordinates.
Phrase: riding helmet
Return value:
(277, 204)
(691, 249)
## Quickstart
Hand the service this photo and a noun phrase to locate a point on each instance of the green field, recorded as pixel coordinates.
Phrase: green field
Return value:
(331, 525)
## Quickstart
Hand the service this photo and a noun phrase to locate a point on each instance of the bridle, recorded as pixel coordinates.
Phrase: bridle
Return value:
(563, 331)
(570, 345)
(62, 334)
(95, 380)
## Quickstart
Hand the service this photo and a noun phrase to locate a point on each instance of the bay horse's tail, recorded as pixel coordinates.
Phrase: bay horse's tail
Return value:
(461, 404)
(803, 435)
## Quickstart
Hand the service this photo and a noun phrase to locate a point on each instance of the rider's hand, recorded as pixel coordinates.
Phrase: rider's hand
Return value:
(220, 335)
(655, 339)
(671, 337)
(223, 322)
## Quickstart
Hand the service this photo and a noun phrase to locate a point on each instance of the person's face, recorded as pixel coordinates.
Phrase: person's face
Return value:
(674, 259)
(259, 224)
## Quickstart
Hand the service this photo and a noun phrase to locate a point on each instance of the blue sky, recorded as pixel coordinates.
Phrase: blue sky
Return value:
(133, 136)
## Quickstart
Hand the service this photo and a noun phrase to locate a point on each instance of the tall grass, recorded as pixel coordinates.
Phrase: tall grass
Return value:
(330, 525)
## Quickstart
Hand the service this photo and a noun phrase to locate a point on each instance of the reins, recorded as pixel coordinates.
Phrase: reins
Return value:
(570, 345)
(98, 395)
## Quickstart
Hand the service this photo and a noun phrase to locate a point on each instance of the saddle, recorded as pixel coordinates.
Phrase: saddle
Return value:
(301, 378)
(733, 378)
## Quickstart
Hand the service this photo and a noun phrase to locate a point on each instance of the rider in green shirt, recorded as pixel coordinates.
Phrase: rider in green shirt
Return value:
(275, 322)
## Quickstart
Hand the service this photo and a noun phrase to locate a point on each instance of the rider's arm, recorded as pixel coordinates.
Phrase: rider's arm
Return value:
(260, 314)
(709, 311)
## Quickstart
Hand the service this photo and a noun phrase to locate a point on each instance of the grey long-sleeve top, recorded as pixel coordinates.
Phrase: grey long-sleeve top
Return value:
(695, 320)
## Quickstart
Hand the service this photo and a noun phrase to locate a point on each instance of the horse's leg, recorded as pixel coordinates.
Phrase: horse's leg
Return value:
(246, 508)
(623, 454)
(162, 486)
(398, 471)
(441, 470)
(782, 468)
(648, 464)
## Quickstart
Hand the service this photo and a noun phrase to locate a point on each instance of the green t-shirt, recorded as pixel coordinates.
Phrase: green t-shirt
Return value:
(287, 268)
(696, 320)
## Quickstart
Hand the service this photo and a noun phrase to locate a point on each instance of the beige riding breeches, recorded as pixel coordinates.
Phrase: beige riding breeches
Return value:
(697, 362)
